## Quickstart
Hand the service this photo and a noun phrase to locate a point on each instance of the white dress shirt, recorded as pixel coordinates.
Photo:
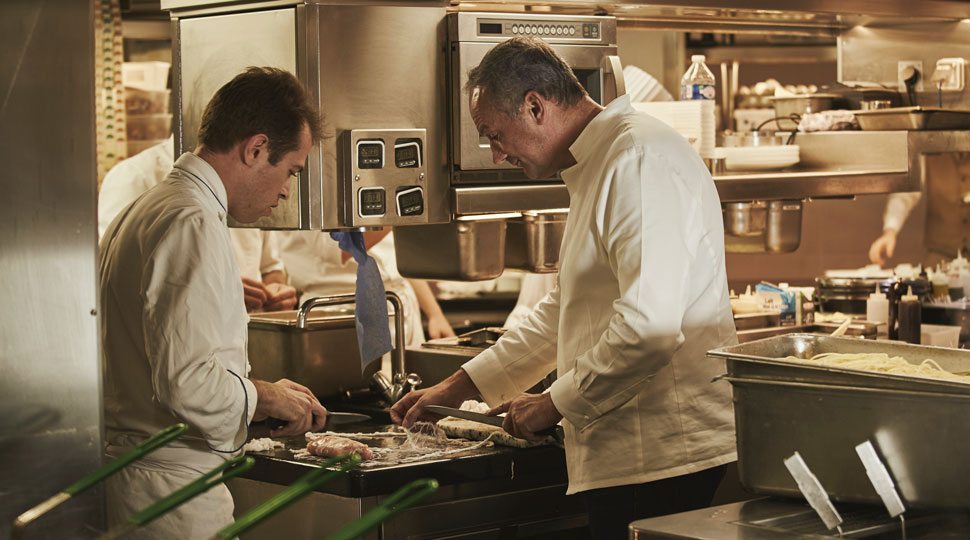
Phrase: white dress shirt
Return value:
(898, 208)
(173, 321)
(316, 268)
(642, 297)
(256, 250)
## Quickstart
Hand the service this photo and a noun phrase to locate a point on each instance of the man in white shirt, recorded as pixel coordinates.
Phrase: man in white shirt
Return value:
(263, 277)
(642, 297)
(947, 188)
(173, 323)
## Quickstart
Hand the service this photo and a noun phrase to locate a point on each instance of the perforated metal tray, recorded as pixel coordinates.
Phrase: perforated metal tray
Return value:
(913, 118)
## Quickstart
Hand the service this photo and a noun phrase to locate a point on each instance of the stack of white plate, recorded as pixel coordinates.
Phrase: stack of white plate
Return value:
(692, 119)
(760, 158)
(641, 86)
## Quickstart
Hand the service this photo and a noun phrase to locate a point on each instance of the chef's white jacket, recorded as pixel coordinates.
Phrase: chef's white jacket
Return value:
(173, 321)
(642, 297)
(316, 268)
(256, 251)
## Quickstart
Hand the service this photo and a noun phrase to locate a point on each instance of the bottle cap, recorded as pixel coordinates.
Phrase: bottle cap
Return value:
(909, 296)
(877, 295)
(698, 58)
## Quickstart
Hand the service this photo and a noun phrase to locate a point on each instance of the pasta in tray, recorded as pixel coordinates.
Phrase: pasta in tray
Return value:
(882, 363)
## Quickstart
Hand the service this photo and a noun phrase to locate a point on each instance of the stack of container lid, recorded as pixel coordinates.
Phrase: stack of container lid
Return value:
(149, 120)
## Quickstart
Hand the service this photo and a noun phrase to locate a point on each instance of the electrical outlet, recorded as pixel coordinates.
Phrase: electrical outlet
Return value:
(950, 74)
(901, 70)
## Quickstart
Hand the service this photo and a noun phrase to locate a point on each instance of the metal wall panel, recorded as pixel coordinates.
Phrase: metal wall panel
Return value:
(50, 393)
(871, 53)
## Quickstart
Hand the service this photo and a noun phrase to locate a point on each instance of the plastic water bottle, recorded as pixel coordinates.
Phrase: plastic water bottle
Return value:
(698, 82)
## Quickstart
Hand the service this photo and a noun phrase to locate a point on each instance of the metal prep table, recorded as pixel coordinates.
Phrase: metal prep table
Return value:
(778, 518)
(488, 493)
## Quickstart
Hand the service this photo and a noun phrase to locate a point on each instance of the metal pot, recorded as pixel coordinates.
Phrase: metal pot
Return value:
(786, 106)
(745, 219)
(532, 242)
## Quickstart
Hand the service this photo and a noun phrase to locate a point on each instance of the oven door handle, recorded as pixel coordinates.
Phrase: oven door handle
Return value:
(611, 65)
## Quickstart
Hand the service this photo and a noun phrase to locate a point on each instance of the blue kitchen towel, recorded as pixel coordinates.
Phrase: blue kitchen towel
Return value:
(373, 333)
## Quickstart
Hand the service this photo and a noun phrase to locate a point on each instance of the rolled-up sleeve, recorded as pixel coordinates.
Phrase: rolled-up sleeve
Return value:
(186, 346)
(521, 358)
(644, 224)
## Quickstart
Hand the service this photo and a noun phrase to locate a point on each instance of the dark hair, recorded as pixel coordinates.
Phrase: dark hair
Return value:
(260, 100)
(520, 65)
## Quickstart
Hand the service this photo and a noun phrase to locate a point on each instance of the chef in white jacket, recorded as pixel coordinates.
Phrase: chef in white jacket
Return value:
(173, 323)
(947, 232)
(642, 297)
(263, 276)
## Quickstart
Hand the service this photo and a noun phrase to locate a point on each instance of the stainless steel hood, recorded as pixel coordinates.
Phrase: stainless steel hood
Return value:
(377, 72)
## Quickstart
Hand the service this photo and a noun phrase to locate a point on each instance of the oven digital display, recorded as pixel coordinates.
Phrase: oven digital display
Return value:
(370, 154)
(490, 28)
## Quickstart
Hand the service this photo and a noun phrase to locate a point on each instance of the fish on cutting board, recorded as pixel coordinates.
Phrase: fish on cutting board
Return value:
(333, 446)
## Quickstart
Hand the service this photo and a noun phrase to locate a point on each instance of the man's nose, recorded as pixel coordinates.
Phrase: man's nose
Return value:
(285, 192)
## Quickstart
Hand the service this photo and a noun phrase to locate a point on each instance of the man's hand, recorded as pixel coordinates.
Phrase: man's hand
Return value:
(254, 293)
(449, 392)
(438, 327)
(293, 403)
(527, 414)
(281, 297)
(884, 246)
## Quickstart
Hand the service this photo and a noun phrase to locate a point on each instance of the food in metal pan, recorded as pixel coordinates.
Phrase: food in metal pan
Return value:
(333, 446)
(882, 363)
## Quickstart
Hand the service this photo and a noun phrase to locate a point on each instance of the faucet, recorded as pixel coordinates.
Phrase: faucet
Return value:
(401, 382)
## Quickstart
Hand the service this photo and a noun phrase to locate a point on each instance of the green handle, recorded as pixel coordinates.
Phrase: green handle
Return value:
(159, 439)
(404, 498)
(232, 468)
(303, 485)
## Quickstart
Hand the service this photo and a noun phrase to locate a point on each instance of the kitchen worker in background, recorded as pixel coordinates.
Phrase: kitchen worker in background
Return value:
(173, 323)
(263, 276)
(947, 188)
(642, 297)
(318, 267)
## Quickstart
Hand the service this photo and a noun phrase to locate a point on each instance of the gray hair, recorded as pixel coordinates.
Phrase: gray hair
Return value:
(520, 65)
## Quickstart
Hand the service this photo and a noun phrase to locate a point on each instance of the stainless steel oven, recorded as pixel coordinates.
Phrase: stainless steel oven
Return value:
(587, 43)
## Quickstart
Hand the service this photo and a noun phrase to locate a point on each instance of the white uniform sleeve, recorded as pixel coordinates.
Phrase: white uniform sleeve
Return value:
(181, 323)
(521, 358)
(121, 186)
(898, 208)
(649, 229)
(269, 260)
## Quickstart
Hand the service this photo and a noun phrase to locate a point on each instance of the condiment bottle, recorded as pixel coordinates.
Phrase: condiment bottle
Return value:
(909, 317)
(877, 307)
(941, 286)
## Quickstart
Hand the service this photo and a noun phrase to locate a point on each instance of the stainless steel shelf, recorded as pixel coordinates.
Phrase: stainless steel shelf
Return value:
(811, 184)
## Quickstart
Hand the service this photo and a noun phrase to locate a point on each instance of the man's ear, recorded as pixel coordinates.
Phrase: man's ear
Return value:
(254, 148)
(535, 106)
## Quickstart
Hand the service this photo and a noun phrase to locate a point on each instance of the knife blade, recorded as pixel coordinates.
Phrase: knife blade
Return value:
(555, 432)
(333, 419)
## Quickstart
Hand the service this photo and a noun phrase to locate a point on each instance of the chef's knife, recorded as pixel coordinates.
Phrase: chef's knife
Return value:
(554, 432)
(333, 419)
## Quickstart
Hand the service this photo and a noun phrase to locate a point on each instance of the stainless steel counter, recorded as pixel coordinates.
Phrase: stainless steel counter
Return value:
(777, 518)
(493, 492)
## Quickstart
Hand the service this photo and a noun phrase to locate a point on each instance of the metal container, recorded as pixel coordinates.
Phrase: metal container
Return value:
(913, 118)
(751, 138)
(467, 250)
(824, 412)
(532, 241)
(323, 356)
(783, 226)
(745, 219)
(786, 106)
